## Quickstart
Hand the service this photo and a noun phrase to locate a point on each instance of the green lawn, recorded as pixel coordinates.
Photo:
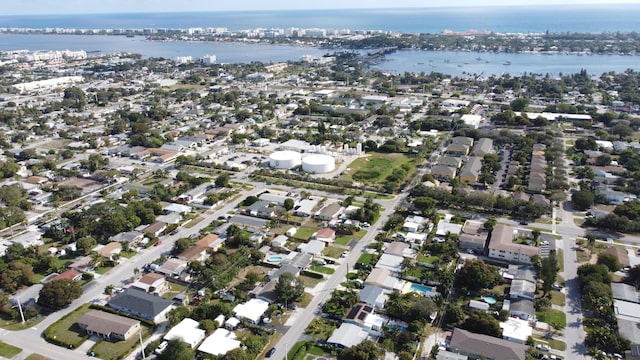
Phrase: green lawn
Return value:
(557, 298)
(344, 240)
(9, 351)
(552, 316)
(427, 259)
(555, 344)
(332, 252)
(323, 269)
(305, 232)
(308, 281)
(66, 330)
(174, 289)
(6, 322)
(304, 300)
(320, 328)
(366, 259)
(375, 167)
(102, 269)
(127, 254)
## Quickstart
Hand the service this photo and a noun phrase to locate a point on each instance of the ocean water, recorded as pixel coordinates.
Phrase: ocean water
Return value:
(592, 18)
(556, 18)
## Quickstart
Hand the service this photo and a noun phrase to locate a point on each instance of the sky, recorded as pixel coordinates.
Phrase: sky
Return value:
(53, 7)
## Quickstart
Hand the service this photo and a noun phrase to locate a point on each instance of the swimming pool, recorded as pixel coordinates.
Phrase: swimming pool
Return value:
(420, 288)
(274, 259)
(489, 300)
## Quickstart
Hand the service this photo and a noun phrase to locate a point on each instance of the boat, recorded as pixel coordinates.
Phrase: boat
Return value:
(479, 58)
(507, 62)
(420, 63)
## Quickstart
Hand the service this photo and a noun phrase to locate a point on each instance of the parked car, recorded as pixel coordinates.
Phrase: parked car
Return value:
(543, 347)
(271, 352)
(162, 347)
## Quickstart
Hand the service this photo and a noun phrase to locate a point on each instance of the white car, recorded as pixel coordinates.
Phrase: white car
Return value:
(161, 347)
(543, 347)
(344, 254)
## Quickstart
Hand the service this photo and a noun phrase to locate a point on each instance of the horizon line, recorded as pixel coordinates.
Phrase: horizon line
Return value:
(325, 9)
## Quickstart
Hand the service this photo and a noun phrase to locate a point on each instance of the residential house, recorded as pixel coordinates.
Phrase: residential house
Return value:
(109, 250)
(219, 343)
(374, 296)
(485, 346)
(313, 247)
(522, 289)
(473, 236)
(385, 279)
(71, 274)
(195, 253)
(516, 330)
(502, 247)
(620, 253)
(443, 172)
(347, 335)
(172, 267)
(400, 249)
(390, 262)
(152, 283)
(450, 161)
(139, 303)
(478, 305)
(522, 308)
(211, 241)
(109, 326)
(471, 170)
(326, 235)
(279, 241)
(482, 147)
(156, 228)
(329, 212)
(187, 331)
(304, 207)
(252, 310)
(131, 237)
(457, 149)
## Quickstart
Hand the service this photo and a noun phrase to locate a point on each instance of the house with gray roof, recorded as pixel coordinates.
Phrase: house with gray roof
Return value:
(141, 304)
(484, 346)
(482, 147)
(109, 326)
(626, 292)
(373, 295)
(471, 170)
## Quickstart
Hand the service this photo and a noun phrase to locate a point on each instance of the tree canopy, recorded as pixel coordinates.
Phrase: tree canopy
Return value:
(289, 287)
(59, 293)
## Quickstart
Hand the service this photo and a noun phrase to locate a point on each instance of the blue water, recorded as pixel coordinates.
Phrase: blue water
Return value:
(420, 288)
(556, 18)
(275, 259)
(489, 300)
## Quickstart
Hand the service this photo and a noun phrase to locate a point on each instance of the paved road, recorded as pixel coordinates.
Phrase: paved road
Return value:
(304, 317)
(31, 341)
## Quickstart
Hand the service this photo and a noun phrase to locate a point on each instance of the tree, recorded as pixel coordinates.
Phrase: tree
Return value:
(591, 238)
(74, 97)
(610, 261)
(482, 323)
(288, 204)
(59, 293)
(583, 199)
(289, 287)
(424, 203)
(519, 104)
(547, 269)
(177, 350)
(475, 275)
(207, 325)
(366, 350)
(16, 275)
(222, 180)
(85, 244)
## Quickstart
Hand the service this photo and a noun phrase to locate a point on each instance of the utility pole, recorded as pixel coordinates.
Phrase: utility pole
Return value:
(141, 345)
(20, 308)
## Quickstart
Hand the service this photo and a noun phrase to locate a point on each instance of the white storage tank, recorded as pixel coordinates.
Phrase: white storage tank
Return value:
(318, 164)
(284, 159)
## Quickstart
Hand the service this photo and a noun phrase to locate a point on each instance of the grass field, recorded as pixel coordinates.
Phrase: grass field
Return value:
(366, 259)
(323, 270)
(344, 240)
(66, 329)
(308, 281)
(305, 232)
(557, 298)
(9, 351)
(332, 252)
(375, 167)
(552, 317)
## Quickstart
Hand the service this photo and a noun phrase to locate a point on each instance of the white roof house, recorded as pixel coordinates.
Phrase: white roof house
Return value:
(390, 262)
(219, 343)
(252, 310)
(446, 227)
(177, 208)
(348, 335)
(516, 330)
(188, 331)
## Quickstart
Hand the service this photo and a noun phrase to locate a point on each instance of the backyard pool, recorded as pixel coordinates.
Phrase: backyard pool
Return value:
(420, 288)
(274, 259)
(489, 300)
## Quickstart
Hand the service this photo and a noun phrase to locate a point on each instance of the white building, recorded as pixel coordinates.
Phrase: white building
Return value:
(187, 331)
(219, 343)
(252, 310)
(516, 330)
